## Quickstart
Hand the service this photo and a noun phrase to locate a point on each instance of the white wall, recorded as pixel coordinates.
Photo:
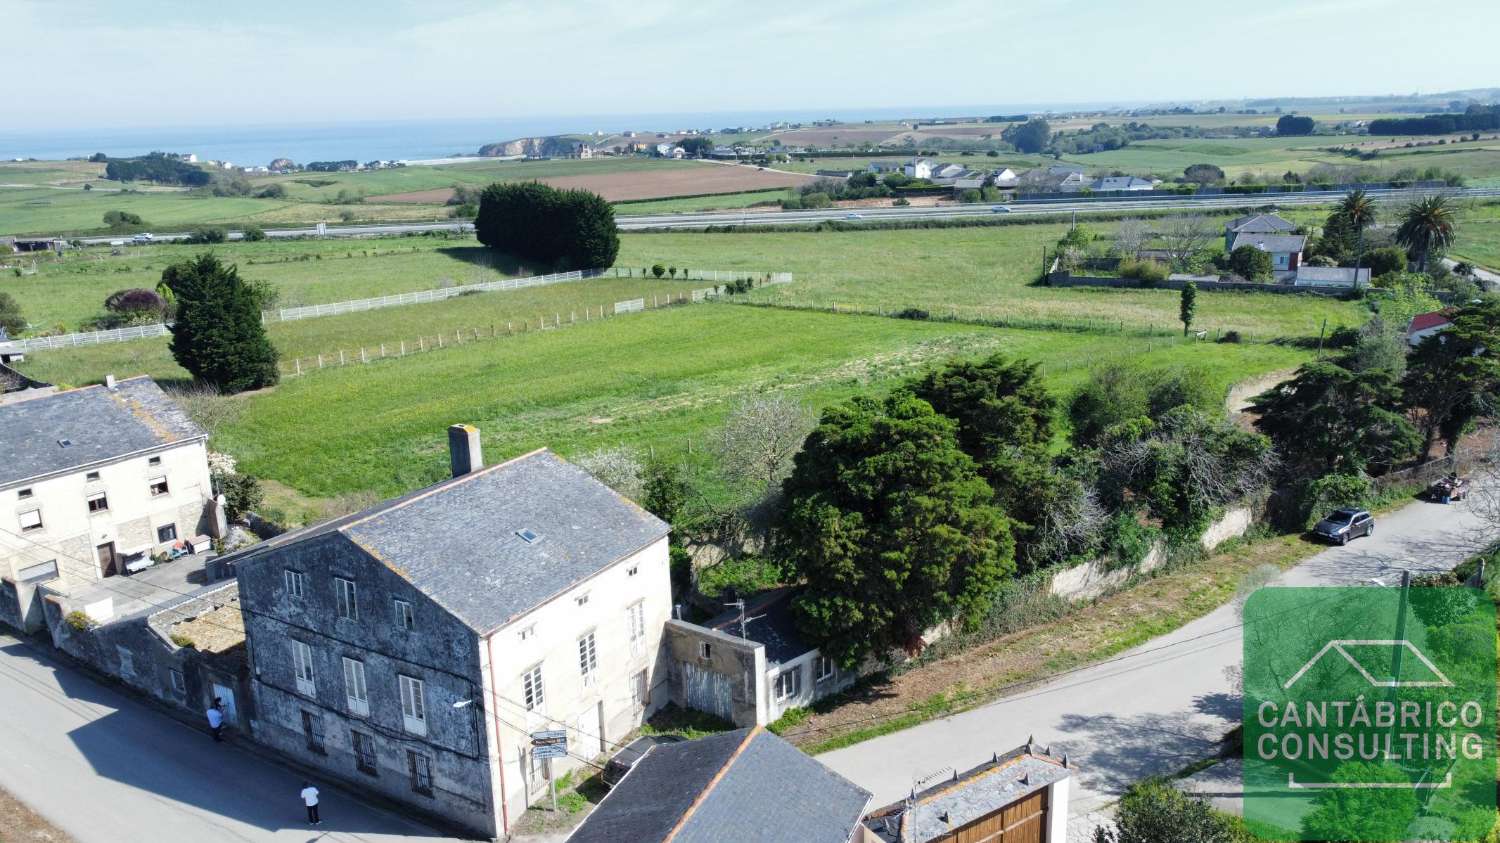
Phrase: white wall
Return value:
(552, 641)
(1057, 811)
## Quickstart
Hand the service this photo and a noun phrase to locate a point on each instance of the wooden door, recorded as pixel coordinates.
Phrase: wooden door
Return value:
(108, 562)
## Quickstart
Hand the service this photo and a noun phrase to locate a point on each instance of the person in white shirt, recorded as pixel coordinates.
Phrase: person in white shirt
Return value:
(310, 799)
(216, 719)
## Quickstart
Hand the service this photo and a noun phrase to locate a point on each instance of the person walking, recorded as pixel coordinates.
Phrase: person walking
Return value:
(310, 799)
(216, 719)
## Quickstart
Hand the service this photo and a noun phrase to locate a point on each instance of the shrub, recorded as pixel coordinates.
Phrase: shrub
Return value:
(1125, 540)
(10, 312)
(901, 202)
(208, 234)
(1147, 272)
(1230, 336)
(242, 492)
(658, 270)
(346, 215)
(123, 220)
(1386, 260)
(1154, 811)
(817, 200)
(970, 195)
(183, 641)
(135, 301)
(1332, 491)
(1250, 263)
(912, 313)
(744, 575)
(253, 234)
(272, 191)
(79, 621)
(792, 204)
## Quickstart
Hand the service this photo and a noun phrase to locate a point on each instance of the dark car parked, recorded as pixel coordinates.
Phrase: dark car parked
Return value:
(1341, 525)
(633, 751)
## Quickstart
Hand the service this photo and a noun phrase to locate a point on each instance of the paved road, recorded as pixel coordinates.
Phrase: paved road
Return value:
(106, 768)
(691, 221)
(1161, 706)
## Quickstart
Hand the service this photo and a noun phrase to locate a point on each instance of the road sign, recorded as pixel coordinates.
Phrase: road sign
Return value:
(552, 743)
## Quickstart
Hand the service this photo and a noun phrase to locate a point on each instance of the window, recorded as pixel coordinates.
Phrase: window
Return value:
(40, 572)
(356, 694)
(154, 462)
(531, 688)
(528, 536)
(179, 683)
(632, 570)
(582, 599)
(23, 494)
(640, 692)
(166, 533)
(789, 684)
(31, 519)
(527, 633)
(302, 667)
(98, 502)
(158, 486)
(824, 668)
(296, 583)
(404, 618)
(705, 651)
(420, 767)
(635, 620)
(91, 477)
(364, 752)
(413, 705)
(344, 590)
(588, 658)
(127, 663)
(312, 730)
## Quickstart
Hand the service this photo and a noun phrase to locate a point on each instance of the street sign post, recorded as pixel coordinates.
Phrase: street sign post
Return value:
(545, 746)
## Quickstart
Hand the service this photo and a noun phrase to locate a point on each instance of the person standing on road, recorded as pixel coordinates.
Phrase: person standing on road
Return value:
(216, 719)
(310, 799)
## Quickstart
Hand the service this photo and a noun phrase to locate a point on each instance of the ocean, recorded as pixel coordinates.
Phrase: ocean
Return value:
(415, 139)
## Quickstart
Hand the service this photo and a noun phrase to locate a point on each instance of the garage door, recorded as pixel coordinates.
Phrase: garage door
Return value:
(708, 691)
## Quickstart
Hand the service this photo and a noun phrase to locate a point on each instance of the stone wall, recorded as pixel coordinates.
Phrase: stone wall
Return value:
(1099, 577)
(729, 683)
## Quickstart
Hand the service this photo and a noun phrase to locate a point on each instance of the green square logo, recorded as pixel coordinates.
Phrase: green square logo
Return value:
(1369, 713)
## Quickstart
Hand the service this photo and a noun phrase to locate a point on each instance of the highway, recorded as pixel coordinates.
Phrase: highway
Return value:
(698, 221)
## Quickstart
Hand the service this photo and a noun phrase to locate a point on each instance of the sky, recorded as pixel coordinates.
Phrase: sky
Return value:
(98, 63)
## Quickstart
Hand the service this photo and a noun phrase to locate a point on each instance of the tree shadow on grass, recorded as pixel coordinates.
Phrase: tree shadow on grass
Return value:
(487, 258)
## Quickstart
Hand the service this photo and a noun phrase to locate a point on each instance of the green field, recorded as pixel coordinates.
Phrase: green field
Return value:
(718, 202)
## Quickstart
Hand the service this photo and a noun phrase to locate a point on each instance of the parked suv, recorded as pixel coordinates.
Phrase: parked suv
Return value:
(1341, 525)
(627, 757)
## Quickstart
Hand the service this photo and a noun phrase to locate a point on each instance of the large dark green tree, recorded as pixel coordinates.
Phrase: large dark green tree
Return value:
(1031, 136)
(891, 528)
(11, 320)
(1453, 377)
(1328, 418)
(1119, 391)
(217, 334)
(568, 229)
(1427, 227)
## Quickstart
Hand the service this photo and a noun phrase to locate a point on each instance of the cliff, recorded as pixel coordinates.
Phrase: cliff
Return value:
(535, 147)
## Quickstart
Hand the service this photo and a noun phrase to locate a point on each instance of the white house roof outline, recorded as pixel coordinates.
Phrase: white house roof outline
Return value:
(1338, 645)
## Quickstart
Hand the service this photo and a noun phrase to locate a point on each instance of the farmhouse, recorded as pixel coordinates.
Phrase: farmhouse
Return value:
(1255, 224)
(749, 786)
(1285, 249)
(412, 648)
(96, 481)
(1113, 183)
(920, 168)
(1006, 178)
(1021, 795)
(1424, 325)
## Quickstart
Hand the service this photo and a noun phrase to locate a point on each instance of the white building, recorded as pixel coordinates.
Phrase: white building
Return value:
(919, 168)
(93, 481)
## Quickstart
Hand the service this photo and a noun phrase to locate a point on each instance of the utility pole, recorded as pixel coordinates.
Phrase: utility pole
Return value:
(1320, 337)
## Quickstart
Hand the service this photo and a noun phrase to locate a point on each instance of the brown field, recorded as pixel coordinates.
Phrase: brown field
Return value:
(834, 136)
(623, 187)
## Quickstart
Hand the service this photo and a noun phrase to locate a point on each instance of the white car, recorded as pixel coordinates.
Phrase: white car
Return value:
(999, 209)
(854, 216)
(142, 238)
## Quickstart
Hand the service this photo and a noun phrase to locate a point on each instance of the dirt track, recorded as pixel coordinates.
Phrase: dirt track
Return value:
(621, 187)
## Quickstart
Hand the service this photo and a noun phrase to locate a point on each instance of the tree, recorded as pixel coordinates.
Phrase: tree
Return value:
(891, 528)
(217, 334)
(1183, 236)
(1250, 262)
(1356, 813)
(123, 220)
(1385, 260)
(1117, 392)
(135, 301)
(253, 234)
(1381, 345)
(1187, 305)
(1203, 174)
(698, 147)
(1427, 226)
(1359, 209)
(759, 439)
(1130, 236)
(11, 320)
(1031, 136)
(1155, 812)
(1453, 377)
(98, 158)
(1293, 125)
(208, 234)
(1328, 418)
(572, 229)
(618, 468)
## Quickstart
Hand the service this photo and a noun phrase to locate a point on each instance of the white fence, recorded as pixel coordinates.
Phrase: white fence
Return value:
(90, 337)
(632, 306)
(287, 314)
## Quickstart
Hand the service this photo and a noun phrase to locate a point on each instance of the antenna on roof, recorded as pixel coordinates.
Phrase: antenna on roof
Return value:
(744, 621)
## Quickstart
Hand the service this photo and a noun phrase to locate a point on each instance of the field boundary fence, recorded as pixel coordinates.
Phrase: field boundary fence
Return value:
(289, 314)
(467, 335)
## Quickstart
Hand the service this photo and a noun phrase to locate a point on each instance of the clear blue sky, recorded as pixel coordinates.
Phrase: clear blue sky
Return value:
(79, 63)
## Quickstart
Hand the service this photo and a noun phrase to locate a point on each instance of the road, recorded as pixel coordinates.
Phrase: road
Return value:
(693, 221)
(1161, 706)
(106, 768)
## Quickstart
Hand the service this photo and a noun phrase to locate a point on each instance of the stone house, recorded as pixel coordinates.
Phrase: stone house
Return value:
(93, 481)
(412, 648)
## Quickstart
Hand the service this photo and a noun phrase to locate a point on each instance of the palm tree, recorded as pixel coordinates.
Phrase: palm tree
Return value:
(1427, 227)
(1359, 209)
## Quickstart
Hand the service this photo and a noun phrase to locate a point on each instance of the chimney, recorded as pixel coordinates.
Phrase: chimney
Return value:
(109, 381)
(463, 449)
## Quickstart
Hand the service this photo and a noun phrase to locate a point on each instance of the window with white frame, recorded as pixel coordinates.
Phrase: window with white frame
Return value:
(823, 668)
(179, 682)
(531, 688)
(413, 705)
(98, 503)
(640, 691)
(705, 650)
(154, 462)
(40, 572)
(296, 583)
(405, 620)
(635, 620)
(91, 477)
(302, 668)
(31, 519)
(158, 486)
(789, 684)
(588, 658)
(344, 591)
(356, 692)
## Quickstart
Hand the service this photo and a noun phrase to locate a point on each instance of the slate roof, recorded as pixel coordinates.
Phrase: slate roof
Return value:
(458, 543)
(97, 423)
(776, 628)
(749, 786)
(1121, 183)
(1259, 224)
(934, 813)
(1270, 242)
